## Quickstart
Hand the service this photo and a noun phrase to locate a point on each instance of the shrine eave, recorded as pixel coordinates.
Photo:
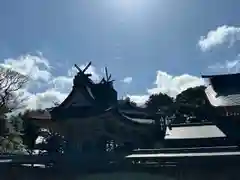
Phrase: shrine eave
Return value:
(220, 75)
(126, 118)
(63, 114)
(133, 119)
(222, 101)
(136, 120)
(76, 112)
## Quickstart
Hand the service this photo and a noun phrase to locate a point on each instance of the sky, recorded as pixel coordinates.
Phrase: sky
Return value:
(149, 46)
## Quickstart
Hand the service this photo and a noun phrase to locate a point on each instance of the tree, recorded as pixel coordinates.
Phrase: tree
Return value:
(126, 103)
(161, 105)
(159, 102)
(53, 143)
(193, 96)
(13, 132)
(30, 133)
(193, 103)
(11, 143)
(2, 126)
(16, 122)
(11, 84)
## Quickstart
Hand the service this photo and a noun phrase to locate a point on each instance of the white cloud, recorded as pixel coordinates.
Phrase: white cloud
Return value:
(226, 67)
(73, 71)
(222, 35)
(168, 84)
(45, 99)
(127, 80)
(173, 85)
(62, 83)
(139, 99)
(56, 88)
(35, 67)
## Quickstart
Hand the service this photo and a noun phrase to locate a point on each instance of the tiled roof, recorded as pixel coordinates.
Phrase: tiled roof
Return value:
(194, 132)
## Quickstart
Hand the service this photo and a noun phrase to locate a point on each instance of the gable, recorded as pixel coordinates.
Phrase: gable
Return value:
(77, 98)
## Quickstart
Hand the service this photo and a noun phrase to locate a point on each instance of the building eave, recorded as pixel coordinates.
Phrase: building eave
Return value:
(219, 75)
(222, 101)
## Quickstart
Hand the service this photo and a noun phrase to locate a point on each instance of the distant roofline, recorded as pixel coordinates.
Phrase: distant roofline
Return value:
(192, 124)
(219, 75)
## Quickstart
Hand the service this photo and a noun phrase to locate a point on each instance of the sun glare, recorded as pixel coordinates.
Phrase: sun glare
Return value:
(129, 5)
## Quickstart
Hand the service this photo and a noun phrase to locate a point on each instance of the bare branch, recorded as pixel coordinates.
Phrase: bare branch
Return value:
(11, 82)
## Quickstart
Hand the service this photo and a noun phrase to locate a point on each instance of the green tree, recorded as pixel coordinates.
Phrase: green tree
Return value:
(11, 140)
(11, 95)
(126, 103)
(2, 126)
(193, 103)
(193, 96)
(159, 102)
(162, 107)
(53, 143)
(16, 122)
(30, 132)
(11, 143)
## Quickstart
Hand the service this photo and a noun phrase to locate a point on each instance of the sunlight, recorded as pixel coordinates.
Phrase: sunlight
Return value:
(129, 5)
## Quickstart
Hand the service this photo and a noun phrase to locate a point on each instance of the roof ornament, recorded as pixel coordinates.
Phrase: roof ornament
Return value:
(81, 76)
(108, 77)
(82, 72)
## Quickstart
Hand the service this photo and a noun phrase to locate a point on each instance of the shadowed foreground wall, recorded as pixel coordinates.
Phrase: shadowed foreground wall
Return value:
(206, 173)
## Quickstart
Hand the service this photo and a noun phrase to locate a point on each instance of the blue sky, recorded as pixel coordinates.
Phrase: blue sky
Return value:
(149, 46)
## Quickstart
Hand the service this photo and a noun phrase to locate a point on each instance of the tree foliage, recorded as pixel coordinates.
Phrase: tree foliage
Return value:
(53, 143)
(16, 123)
(158, 102)
(126, 103)
(193, 96)
(11, 98)
(190, 105)
(2, 126)
(193, 103)
(11, 84)
(11, 143)
(30, 133)
(10, 139)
